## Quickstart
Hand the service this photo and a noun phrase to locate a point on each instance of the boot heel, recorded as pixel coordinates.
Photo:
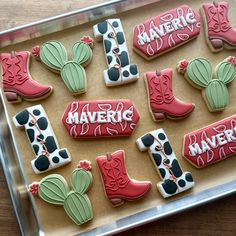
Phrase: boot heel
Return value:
(217, 44)
(12, 97)
(116, 201)
(159, 116)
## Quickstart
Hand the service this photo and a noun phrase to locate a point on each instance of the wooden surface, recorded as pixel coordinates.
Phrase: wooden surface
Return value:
(217, 218)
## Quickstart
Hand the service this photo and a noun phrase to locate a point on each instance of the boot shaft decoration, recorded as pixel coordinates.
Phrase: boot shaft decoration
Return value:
(53, 55)
(17, 81)
(162, 102)
(117, 184)
(166, 163)
(54, 189)
(198, 72)
(119, 71)
(42, 139)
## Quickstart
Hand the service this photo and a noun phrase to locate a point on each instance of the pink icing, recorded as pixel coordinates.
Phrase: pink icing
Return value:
(218, 150)
(178, 33)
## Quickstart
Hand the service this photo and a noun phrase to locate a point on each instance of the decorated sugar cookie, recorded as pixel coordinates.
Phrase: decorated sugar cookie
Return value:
(17, 81)
(54, 189)
(100, 118)
(42, 139)
(174, 180)
(212, 143)
(119, 71)
(118, 186)
(53, 55)
(162, 102)
(219, 33)
(198, 72)
(165, 32)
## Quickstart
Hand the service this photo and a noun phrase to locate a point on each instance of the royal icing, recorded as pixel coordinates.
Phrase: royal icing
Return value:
(17, 81)
(119, 187)
(53, 55)
(101, 118)
(54, 189)
(42, 139)
(212, 143)
(162, 102)
(119, 71)
(174, 180)
(166, 31)
(218, 28)
(199, 73)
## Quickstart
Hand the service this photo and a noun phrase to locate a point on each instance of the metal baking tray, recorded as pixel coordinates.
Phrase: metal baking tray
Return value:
(16, 178)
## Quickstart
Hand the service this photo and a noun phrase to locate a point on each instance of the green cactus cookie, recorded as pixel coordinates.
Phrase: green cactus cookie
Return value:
(53, 55)
(53, 189)
(199, 73)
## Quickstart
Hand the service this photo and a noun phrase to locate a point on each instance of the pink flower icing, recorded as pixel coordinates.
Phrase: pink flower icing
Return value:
(36, 51)
(87, 40)
(231, 60)
(86, 165)
(182, 66)
(33, 188)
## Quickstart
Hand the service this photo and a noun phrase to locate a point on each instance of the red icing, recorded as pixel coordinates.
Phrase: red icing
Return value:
(118, 185)
(86, 165)
(161, 98)
(224, 148)
(36, 51)
(93, 128)
(16, 78)
(176, 36)
(231, 60)
(33, 188)
(87, 40)
(218, 26)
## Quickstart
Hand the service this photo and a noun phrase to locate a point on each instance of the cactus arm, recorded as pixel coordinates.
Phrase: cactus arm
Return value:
(216, 95)
(53, 189)
(81, 180)
(53, 54)
(199, 72)
(78, 207)
(226, 72)
(74, 77)
(82, 53)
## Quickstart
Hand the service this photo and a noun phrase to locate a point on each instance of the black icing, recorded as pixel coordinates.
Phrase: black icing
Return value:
(102, 27)
(113, 74)
(36, 148)
(22, 117)
(157, 158)
(169, 186)
(40, 138)
(161, 136)
(42, 163)
(36, 112)
(115, 24)
(167, 148)
(189, 177)
(133, 69)
(181, 183)
(109, 59)
(42, 123)
(176, 168)
(120, 37)
(107, 45)
(162, 172)
(63, 154)
(124, 60)
(147, 140)
(55, 159)
(30, 133)
(50, 144)
(126, 73)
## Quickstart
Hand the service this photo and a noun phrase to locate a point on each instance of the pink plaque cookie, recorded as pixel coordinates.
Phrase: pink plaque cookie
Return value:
(101, 118)
(212, 143)
(166, 31)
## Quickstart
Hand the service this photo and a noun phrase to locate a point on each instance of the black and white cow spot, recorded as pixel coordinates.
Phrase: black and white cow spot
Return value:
(109, 59)
(42, 163)
(126, 73)
(63, 154)
(167, 148)
(147, 140)
(120, 38)
(161, 136)
(123, 59)
(107, 45)
(31, 134)
(42, 123)
(133, 69)
(169, 186)
(113, 74)
(102, 27)
(22, 117)
(50, 144)
(157, 158)
(36, 148)
(181, 183)
(175, 168)
(36, 112)
(115, 24)
(55, 159)
(189, 177)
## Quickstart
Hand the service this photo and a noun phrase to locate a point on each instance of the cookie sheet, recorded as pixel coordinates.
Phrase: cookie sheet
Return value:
(53, 219)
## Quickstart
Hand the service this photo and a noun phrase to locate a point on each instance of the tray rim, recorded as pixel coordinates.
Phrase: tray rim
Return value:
(10, 37)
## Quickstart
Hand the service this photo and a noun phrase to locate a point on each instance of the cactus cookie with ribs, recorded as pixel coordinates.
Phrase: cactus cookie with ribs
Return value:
(54, 189)
(53, 54)
(198, 72)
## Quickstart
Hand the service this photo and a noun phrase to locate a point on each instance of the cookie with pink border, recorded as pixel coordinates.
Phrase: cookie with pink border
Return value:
(165, 32)
(100, 118)
(212, 143)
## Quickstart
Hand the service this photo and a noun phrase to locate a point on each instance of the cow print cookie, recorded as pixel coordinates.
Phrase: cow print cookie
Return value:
(42, 139)
(119, 71)
(211, 144)
(174, 180)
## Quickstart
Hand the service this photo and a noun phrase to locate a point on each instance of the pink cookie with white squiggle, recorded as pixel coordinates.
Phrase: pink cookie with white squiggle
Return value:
(100, 118)
(165, 32)
(212, 143)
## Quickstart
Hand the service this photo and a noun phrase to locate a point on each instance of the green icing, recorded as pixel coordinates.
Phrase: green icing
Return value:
(226, 72)
(217, 95)
(53, 189)
(53, 55)
(81, 53)
(199, 72)
(73, 76)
